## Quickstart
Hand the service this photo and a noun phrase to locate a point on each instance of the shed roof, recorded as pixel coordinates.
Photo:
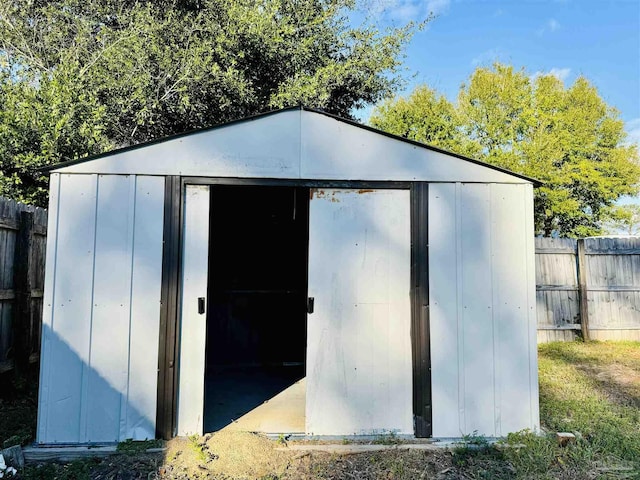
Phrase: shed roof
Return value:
(293, 143)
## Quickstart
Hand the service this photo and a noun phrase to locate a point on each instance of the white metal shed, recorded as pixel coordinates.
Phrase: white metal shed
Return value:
(398, 278)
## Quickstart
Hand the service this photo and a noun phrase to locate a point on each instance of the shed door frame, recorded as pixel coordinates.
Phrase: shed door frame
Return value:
(169, 348)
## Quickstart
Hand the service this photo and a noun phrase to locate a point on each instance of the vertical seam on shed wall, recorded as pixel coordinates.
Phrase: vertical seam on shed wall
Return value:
(83, 424)
(43, 406)
(300, 112)
(495, 298)
(528, 316)
(424, 204)
(133, 191)
(459, 310)
(531, 326)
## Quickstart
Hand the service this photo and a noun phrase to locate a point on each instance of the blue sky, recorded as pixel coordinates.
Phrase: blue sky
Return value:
(599, 39)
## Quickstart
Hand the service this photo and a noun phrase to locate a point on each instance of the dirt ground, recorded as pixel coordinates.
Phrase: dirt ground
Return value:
(590, 389)
(246, 456)
(241, 455)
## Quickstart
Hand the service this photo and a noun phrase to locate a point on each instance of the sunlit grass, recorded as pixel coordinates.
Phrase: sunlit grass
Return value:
(589, 389)
(579, 391)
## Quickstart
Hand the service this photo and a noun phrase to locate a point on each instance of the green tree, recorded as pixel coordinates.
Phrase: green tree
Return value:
(568, 138)
(424, 116)
(44, 124)
(133, 71)
(623, 220)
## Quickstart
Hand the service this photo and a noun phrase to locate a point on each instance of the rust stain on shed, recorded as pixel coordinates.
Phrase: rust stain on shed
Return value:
(319, 193)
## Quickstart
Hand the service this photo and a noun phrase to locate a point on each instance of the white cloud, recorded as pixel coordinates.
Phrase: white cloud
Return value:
(408, 10)
(559, 73)
(498, 12)
(551, 25)
(633, 131)
(487, 57)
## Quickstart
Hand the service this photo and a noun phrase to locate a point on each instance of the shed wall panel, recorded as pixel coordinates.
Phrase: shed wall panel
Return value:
(510, 280)
(84, 387)
(268, 147)
(534, 396)
(477, 318)
(47, 305)
(146, 278)
(293, 144)
(482, 304)
(445, 315)
(359, 350)
(72, 308)
(336, 150)
(108, 372)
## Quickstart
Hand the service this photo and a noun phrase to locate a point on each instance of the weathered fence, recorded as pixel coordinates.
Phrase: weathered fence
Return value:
(588, 287)
(595, 279)
(22, 255)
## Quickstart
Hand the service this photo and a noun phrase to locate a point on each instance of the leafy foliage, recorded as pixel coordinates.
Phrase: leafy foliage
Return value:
(424, 116)
(82, 76)
(568, 138)
(42, 125)
(623, 219)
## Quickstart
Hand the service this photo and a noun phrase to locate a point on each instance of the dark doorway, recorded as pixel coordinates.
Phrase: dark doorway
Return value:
(256, 325)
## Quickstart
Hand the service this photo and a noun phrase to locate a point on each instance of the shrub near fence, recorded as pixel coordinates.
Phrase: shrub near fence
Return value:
(588, 287)
(22, 255)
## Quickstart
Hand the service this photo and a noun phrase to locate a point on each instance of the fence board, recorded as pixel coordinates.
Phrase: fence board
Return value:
(5, 331)
(612, 268)
(10, 224)
(612, 288)
(557, 287)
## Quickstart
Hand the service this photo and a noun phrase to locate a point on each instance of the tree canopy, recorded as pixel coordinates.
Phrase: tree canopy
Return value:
(623, 220)
(78, 77)
(566, 137)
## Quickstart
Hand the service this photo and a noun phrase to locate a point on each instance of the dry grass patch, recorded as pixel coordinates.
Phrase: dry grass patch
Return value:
(225, 455)
(246, 455)
(592, 389)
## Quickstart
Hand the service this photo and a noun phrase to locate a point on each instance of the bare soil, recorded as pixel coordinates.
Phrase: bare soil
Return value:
(590, 389)
(242, 455)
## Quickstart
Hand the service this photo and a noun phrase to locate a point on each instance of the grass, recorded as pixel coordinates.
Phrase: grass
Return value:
(387, 438)
(592, 390)
(133, 447)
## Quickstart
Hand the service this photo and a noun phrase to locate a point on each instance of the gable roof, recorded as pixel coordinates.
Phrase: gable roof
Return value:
(293, 143)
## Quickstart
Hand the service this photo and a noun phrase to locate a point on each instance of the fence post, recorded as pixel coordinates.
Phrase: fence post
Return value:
(22, 275)
(581, 263)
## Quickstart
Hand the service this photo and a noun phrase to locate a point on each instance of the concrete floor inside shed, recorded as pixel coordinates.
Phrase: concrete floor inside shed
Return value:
(257, 309)
(256, 399)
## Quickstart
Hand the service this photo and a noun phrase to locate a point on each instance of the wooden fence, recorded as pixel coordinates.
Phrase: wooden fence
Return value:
(588, 287)
(22, 255)
(604, 271)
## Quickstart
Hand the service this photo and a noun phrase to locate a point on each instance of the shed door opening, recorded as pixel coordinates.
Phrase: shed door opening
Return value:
(256, 319)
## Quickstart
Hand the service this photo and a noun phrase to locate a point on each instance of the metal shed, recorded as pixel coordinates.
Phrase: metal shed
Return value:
(363, 282)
